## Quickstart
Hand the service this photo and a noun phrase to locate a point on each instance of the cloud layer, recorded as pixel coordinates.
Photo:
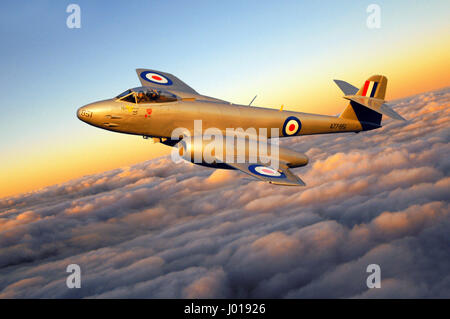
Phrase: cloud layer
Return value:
(162, 230)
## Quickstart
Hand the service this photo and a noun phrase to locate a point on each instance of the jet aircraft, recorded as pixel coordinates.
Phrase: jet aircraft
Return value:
(164, 103)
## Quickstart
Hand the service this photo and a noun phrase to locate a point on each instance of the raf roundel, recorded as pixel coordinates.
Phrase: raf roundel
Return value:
(265, 171)
(156, 78)
(291, 126)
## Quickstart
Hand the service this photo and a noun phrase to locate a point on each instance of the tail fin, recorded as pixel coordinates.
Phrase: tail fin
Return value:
(367, 104)
(374, 87)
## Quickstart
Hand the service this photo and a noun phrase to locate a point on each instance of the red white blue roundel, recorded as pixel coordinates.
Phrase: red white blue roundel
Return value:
(266, 171)
(156, 78)
(291, 126)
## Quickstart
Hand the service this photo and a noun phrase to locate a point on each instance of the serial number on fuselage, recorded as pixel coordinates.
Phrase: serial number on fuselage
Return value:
(338, 126)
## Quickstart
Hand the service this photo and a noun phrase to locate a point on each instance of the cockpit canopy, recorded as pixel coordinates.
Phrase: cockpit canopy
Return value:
(146, 95)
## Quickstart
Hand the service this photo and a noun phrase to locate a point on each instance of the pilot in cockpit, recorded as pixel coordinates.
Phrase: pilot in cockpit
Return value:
(153, 96)
(141, 98)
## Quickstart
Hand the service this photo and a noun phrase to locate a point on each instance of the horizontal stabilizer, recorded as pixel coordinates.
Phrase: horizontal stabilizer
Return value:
(376, 105)
(387, 110)
(345, 87)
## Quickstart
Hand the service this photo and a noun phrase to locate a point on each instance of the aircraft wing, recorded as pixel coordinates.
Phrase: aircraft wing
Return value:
(282, 176)
(163, 80)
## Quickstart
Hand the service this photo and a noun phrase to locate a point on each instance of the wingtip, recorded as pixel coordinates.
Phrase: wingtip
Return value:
(396, 116)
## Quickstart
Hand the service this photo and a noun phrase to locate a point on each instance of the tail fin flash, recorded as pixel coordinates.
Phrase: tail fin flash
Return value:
(367, 105)
(374, 87)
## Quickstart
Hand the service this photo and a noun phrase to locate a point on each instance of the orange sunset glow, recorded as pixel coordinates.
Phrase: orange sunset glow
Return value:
(91, 209)
(415, 63)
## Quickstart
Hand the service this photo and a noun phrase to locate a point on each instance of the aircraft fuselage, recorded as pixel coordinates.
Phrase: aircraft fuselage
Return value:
(161, 119)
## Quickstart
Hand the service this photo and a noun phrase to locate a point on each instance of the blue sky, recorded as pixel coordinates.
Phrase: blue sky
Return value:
(228, 49)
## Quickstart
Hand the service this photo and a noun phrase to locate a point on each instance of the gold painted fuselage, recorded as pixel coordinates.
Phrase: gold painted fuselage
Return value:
(161, 119)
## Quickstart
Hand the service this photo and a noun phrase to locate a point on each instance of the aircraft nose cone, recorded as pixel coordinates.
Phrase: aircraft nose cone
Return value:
(84, 114)
(95, 113)
(79, 112)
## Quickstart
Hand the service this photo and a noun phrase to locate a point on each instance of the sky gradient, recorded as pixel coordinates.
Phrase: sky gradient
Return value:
(287, 53)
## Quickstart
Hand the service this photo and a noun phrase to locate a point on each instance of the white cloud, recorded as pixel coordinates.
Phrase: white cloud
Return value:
(159, 229)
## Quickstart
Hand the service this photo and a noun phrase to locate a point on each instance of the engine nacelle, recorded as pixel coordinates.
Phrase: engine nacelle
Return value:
(215, 153)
